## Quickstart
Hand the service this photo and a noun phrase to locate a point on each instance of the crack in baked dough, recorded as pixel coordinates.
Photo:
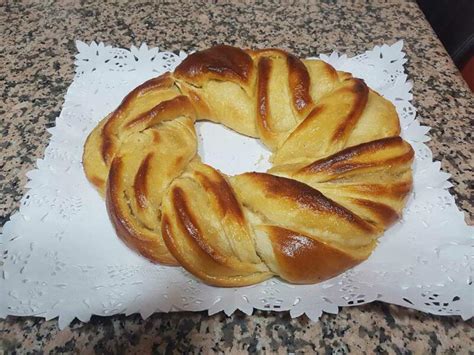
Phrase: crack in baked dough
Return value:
(340, 177)
(132, 214)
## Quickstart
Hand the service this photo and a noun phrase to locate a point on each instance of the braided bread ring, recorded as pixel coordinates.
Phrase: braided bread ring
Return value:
(340, 177)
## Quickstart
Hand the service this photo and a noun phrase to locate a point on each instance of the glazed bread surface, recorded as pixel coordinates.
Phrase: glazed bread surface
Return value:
(340, 176)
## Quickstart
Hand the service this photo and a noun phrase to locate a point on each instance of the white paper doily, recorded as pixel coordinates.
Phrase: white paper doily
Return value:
(62, 258)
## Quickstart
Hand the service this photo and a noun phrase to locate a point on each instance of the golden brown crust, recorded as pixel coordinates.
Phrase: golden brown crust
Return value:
(163, 81)
(328, 126)
(151, 249)
(224, 194)
(139, 184)
(220, 62)
(200, 249)
(202, 109)
(306, 197)
(220, 275)
(299, 83)
(361, 92)
(102, 144)
(94, 166)
(100, 183)
(263, 110)
(386, 214)
(304, 260)
(189, 227)
(340, 163)
(138, 178)
(166, 110)
(341, 173)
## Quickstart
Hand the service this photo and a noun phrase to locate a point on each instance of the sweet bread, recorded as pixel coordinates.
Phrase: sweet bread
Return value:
(340, 176)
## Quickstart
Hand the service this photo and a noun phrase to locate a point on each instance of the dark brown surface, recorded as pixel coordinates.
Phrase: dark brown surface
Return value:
(264, 72)
(360, 91)
(305, 260)
(341, 163)
(190, 243)
(305, 198)
(221, 62)
(36, 55)
(299, 83)
(221, 190)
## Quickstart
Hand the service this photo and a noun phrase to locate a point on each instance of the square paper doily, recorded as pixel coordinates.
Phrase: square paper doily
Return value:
(62, 258)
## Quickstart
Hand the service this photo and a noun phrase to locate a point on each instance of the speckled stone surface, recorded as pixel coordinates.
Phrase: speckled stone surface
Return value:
(36, 57)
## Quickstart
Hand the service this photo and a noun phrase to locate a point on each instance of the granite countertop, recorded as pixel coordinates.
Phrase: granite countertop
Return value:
(37, 53)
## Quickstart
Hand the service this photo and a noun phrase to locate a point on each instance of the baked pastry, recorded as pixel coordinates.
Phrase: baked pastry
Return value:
(340, 175)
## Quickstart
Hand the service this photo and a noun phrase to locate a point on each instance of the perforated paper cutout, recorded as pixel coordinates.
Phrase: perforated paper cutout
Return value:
(62, 258)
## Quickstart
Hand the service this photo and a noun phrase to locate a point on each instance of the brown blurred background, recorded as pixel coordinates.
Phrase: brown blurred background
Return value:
(453, 22)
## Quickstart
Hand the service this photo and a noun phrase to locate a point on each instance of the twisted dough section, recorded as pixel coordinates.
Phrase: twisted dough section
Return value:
(340, 174)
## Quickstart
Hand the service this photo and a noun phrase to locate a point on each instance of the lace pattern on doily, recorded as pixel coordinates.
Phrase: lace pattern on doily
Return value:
(61, 256)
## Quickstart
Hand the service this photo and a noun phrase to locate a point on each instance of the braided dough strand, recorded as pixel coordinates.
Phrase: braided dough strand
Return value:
(340, 177)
